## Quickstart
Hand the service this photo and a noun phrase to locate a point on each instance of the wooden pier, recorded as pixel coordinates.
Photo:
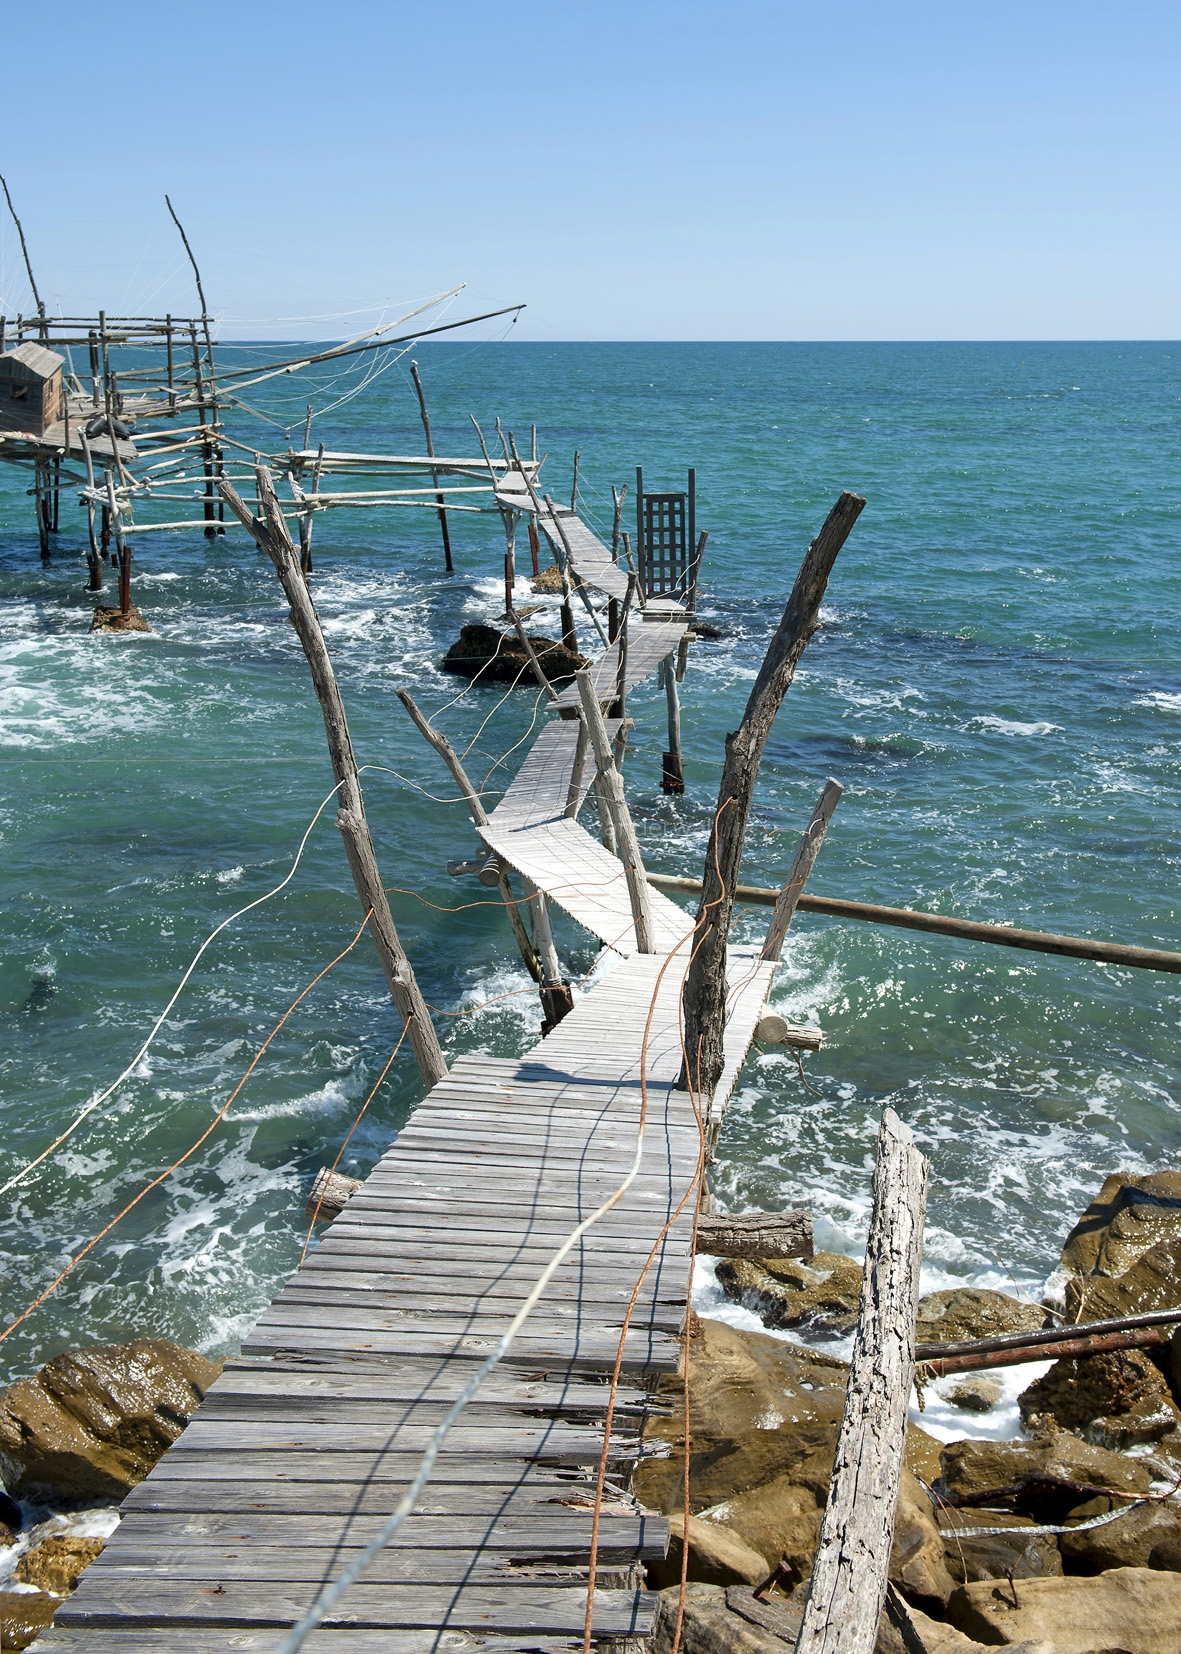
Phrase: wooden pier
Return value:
(308, 1439)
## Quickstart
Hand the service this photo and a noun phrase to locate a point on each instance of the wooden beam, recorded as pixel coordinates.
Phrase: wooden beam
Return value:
(610, 788)
(849, 1574)
(966, 930)
(271, 534)
(755, 1235)
(704, 995)
(798, 873)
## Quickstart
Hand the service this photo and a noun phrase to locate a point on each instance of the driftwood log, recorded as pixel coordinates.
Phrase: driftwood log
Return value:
(773, 1030)
(610, 788)
(849, 1574)
(803, 862)
(271, 534)
(331, 1193)
(756, 1235)
(704, 996)
(1062, 1349)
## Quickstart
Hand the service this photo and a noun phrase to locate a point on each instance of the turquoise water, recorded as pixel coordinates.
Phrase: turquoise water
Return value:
(997, 683)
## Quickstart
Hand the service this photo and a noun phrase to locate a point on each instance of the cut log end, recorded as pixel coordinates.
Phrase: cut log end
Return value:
(331, 1193)
(773, 1030)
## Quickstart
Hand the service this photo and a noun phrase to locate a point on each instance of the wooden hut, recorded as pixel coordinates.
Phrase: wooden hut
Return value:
(31, 394)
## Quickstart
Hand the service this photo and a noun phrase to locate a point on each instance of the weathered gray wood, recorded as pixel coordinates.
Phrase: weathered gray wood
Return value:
(149, 1639)
(645, 1535)
(705, 986)
(801, 867)
(271, 534)
(755, 1235)
(430, 448)
(773, 1030)
(330, 1194)
(447, 1497)
(482, 1566)
(110, 1599)
(611, 783)
(849, 1574)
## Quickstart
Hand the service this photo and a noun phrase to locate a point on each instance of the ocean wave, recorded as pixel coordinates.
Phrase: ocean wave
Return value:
(1010, 726)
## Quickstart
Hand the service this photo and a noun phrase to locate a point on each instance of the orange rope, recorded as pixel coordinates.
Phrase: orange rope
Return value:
(176, 1164)
(348, 1139)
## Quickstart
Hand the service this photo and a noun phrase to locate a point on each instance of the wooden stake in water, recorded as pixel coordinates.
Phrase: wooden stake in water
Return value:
(440, 501)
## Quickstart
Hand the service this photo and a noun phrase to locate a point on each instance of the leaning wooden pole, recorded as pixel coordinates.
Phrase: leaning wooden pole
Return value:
(704, 996)
(440, 501)
(849, 1574)
(270, 531)
(801, 867)
(610, 784)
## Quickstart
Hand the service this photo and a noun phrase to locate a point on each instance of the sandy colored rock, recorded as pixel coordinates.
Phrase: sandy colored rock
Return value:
(55, 1564)
(820, 1297)
(94, 1421)
(1166, 1555)
(941, 1638)
(1117, 1400)
(975, 1395)
(1125, 1611)
(973, 1312)
(499, 657)
(23, 1616)
(917, 1565)
(1022, 1553)
(780, 1519)
(549, 580)
(114, 620)
(717, 1556)
(1127, 1216)
(1128, 1542)
(975, 1466)
(711, 1626)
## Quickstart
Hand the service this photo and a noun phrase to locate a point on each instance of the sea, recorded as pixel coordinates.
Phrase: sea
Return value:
(996, 682)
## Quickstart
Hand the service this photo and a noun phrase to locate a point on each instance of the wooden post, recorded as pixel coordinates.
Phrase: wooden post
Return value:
(93, 556)
(270, 531)
(849, 1574)
(479, 815)
(574, 485)
(123, 550)
(39, 507)
(510, 574)
(704, 995)
(527, 645)
(672, 779)
(606, 829)
(557, 996)
(444, 527)
(574, 790)
(610, 785)
(617, 498)
(683, 646)
(801, 867)
(570, 574)
(534, 548)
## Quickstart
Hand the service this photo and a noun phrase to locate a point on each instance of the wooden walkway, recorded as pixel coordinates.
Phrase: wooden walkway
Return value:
(306, 1441)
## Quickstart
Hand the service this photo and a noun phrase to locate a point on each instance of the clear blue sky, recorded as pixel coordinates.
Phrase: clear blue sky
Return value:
(807, 169)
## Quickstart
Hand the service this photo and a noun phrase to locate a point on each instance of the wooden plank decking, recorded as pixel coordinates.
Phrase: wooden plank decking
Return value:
(307, 1440)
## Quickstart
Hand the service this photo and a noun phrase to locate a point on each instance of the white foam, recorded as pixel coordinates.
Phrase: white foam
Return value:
(1010, 726)
(1160, 701)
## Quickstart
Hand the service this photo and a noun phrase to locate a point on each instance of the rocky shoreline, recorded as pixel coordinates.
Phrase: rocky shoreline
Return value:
(1098, 1435)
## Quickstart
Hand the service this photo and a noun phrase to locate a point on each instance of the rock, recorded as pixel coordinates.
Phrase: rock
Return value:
(1023, 1554)
(549, 580)
(717, 1556)
(1117, 1400)
(1124, 1611)
(1128, 1542)
(820, 1297)
(10, 1512)
(779, 1520)
(711, 1626)
(975, 1395)
(1166, 1555)
(940, 1638)
(23, 1616)
(1127, 1216)
(498, 657)
(917, 1565)
(54, 1565)
(114, 620)
(973, 1312)
(94, 1421)
(759, 1409)
(7, 1537)
(975, 1466)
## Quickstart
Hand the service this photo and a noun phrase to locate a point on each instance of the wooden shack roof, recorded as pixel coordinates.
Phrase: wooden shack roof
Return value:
(35, 360)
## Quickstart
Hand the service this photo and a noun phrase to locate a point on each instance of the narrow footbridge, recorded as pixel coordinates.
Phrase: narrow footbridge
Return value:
(307, 1440)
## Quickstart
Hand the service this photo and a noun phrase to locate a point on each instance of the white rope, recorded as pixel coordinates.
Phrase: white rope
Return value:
(98, 1101)
(294, 1640)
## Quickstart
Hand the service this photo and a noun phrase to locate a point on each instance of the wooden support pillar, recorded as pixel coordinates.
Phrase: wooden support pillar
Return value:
(673, 778)
(531, 652)
(618, 495)
(270, 531)
(574, 790)
(39, 507)
(612, 619)
(610, 791)
(557, 996)
(479, 815)
(849, 1574)
(122, 549)
(801, 868)
(534, 548)
(440, 501)
(704, 996)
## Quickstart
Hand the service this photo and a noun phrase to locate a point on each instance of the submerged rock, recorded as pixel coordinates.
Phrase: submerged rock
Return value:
(820, 1297)
(23, 1616)
(1132, 1610)
(499, 657)
(115, 620)
(1117, 1400)
(973, 1312)
(94, 1421)
(975, 1395)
